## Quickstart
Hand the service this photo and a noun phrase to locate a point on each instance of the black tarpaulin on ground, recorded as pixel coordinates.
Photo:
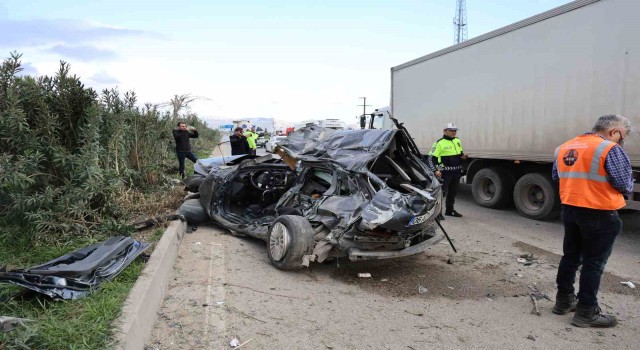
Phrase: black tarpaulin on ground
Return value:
(78, 273)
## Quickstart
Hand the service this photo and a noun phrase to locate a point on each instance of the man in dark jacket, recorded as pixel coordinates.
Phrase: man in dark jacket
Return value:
(183, 146)
(239, 143)
(445, 160)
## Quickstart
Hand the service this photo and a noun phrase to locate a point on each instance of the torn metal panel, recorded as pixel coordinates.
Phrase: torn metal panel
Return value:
(78, 273)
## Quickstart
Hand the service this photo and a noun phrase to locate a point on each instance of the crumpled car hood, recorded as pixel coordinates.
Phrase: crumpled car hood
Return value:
(78, 273)
(352, 149)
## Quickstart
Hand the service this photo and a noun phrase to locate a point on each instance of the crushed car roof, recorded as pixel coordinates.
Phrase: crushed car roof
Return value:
(350, 148)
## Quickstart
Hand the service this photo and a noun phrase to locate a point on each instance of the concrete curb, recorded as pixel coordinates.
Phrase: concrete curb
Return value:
(133, 328)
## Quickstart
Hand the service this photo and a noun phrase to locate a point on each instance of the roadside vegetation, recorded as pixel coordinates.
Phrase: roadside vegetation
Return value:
(77, 167)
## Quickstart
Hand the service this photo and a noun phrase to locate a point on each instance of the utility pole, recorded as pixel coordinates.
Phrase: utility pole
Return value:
(460, 22)
(363, 117)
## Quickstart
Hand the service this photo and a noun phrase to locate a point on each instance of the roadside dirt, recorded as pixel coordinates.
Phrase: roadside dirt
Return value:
(224, 288)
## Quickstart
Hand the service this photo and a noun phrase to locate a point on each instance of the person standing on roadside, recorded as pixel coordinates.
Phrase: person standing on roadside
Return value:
(183, 146)
(239, 143)
(595, 178)
(445, 160)
(251, 139)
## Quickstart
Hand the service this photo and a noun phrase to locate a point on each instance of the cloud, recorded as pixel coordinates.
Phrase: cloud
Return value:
(104, 78)
(27, 69)
(20, 33)
(84, 52)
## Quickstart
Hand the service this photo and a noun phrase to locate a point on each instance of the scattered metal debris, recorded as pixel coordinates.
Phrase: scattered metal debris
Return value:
(526, 259)
(80, 272)
(414, 313)
(628, 284)
(536, 295)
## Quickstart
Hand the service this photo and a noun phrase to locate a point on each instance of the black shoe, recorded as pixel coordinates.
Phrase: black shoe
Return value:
(453, 213)
(591, 316)
(440, 217)
(565, 303)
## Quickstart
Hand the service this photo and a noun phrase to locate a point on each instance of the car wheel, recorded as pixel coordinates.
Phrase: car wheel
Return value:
(290, 239)
(193, 211)
(492, 187)
(536, 198)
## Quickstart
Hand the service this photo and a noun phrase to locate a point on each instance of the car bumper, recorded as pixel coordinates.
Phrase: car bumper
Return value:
(356, 254)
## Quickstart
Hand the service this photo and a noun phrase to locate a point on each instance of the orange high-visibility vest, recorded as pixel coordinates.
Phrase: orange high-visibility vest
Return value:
(583, 179)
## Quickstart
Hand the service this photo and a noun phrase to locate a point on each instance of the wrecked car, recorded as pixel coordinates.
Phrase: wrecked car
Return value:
(361, 194)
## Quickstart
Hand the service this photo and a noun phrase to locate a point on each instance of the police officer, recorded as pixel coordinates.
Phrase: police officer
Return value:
(445, 160)
(251, 139)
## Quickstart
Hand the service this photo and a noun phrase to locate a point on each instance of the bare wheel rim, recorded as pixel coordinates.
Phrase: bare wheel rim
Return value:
(487, 189)
(534, 197)
(278, 241)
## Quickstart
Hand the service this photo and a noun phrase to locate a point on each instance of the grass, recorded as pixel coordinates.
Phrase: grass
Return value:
(73, 324)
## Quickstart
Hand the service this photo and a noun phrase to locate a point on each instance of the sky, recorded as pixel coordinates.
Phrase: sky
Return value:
(285, 59)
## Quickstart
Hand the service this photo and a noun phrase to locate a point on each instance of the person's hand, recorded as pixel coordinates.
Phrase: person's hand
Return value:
(438, 173)
(464, 156)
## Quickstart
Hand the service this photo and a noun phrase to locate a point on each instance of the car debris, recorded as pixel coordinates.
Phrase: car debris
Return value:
(629, 284)
(234, 342)
(10, 323)
(75, 275)
(361, 194)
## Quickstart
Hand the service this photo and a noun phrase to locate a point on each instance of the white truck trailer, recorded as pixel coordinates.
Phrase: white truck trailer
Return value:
(518, 92)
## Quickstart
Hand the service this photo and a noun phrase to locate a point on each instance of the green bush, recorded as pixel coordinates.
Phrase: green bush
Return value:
(69, 153)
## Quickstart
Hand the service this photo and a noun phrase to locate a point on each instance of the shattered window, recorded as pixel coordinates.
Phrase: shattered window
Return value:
(318, 182)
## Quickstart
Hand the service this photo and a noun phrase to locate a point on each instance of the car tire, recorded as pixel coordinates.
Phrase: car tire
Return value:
(535, 197)
(492, 187)
(193, 211)
(290, 238)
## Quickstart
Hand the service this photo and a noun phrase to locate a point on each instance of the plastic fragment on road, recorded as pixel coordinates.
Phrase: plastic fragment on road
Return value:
(364, 275)
(628, 284)
(422, 290)
(234, 342)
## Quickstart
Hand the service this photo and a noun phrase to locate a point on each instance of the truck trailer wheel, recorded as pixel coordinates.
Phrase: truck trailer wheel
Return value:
(535, 197)
(492, 187)
(290, 239)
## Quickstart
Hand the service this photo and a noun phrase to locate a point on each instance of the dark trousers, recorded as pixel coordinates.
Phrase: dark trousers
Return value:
(588, 240)
(181, 157)
(450, 182)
